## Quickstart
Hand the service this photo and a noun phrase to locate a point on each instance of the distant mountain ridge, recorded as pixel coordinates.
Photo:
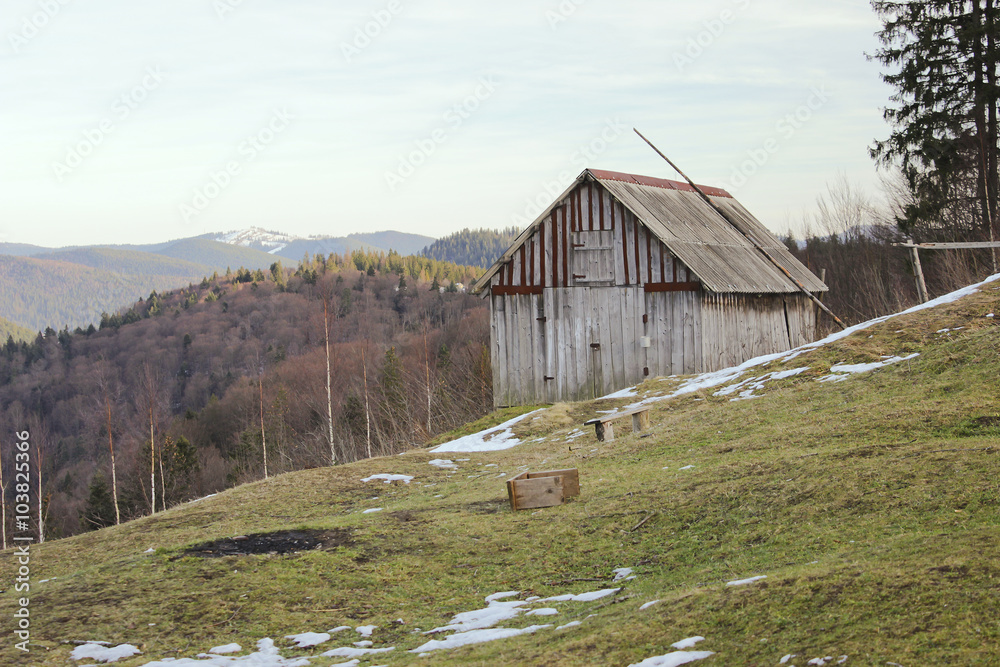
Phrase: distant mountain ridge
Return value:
(72, 286)
(294, 247)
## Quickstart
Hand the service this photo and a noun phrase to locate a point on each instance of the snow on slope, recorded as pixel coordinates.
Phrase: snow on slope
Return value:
(258, 238)
(502, 436)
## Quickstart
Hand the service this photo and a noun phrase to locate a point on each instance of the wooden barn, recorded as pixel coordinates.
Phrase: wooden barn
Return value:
(626, 277)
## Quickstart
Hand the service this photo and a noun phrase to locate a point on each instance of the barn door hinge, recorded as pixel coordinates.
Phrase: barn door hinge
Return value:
(576, 277)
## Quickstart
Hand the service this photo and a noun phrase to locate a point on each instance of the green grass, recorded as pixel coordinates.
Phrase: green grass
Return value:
(872, 505)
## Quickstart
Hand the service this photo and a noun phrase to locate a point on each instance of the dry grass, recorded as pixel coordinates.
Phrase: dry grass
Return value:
(872, 505)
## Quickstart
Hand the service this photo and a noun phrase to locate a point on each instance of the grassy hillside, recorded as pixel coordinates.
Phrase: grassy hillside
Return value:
(869, 502)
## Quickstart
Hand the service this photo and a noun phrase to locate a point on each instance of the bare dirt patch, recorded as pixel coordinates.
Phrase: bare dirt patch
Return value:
(281, 542)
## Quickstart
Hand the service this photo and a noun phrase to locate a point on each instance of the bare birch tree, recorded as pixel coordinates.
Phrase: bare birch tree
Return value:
(329, 394)
(368, 411)
(260, 388)
(149, 383)
(104, 384)
(3, 503)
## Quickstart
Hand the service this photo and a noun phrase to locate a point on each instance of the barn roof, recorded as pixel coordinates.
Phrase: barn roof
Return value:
(720, 256)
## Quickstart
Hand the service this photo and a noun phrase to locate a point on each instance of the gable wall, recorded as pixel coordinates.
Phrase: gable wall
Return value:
(571, 307)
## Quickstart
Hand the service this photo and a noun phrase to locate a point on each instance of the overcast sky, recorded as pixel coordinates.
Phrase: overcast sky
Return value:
(136, 121)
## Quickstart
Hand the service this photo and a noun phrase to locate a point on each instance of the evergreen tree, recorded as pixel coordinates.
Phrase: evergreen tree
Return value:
(99, 512)
(944, 119)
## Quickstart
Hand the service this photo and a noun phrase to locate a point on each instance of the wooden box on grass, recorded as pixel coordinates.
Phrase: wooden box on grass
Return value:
(532, 490)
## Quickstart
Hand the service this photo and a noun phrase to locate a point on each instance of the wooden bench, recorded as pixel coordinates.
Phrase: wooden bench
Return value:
(531, 490)
(606, 433)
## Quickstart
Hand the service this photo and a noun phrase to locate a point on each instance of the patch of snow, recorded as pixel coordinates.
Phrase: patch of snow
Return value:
(373, 510)
(366, 630)
(479, 619)
(307, 639)
(648, 605)
(687, 643)
(991, 315)
(624, 393)
(149, 551)
(571, 624)
(228, 648)
(102, 653)
(444, 464)
(583, 597)
(198, 500)
(348, 652)
(500, 596)
(686, 468)
(674, 659)
(266, 656)
(841, 372)
(476, 637)
(744, 582)
(820, 661)
(755, 383)
(728, 375)
(389, 479)
(544, 611)
(493, 439)
(782, 375)
(339, 628)
(788, 657)
(364, 644)
(622, 573)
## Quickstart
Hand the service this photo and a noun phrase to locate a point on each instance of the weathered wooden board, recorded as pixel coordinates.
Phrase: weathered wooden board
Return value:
(530, 490)
(604, 426)
(529, 494)
(570, 480)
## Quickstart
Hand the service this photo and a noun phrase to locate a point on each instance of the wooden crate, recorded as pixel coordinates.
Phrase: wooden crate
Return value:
(532, 490)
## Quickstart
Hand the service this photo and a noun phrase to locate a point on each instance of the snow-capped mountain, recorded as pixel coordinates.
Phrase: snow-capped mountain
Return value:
(291, 247)
(259, 239)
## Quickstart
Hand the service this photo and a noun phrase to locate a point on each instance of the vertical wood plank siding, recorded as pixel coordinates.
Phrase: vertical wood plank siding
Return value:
(571, 306)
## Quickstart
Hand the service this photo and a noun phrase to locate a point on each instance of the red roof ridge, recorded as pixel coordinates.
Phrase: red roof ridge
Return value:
(603, 175)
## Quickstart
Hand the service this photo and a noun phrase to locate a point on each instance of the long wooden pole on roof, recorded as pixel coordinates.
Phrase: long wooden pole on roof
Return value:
(757, 245)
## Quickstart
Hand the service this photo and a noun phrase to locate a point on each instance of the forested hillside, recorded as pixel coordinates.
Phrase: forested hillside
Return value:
(14, 331)
(39, 293)
(481, 247)
(125, 261)
(230, 377)
(57, 287)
